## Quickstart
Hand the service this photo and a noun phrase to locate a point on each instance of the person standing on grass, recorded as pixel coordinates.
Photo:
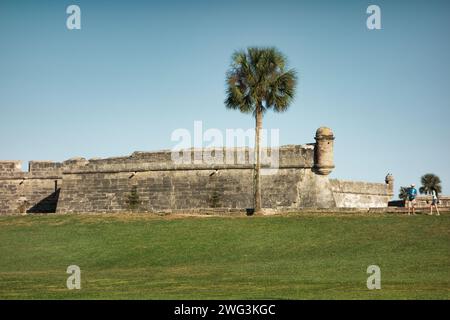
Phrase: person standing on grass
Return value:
(412, 194)
(434, 203)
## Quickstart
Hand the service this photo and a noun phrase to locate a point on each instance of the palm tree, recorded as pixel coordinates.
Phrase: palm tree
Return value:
(403, 195)
(256, 82)
(430, 182)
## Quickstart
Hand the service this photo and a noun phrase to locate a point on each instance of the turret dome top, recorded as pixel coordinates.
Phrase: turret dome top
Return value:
(324, 131)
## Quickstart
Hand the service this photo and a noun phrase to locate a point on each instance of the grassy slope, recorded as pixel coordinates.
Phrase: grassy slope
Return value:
(294, 257)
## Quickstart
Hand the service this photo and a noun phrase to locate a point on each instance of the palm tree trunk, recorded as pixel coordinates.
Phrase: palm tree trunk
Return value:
(257, 199)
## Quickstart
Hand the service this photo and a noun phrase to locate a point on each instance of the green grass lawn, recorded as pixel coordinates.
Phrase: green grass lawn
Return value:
(279, 257)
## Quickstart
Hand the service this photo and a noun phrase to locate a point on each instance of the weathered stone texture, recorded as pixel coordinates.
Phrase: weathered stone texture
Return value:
(352, 194)
(33, 191)
(8, 168)
(154, 182)
(187, 189)
(324, 155)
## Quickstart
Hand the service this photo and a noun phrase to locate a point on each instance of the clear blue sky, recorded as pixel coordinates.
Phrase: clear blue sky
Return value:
(137, 70)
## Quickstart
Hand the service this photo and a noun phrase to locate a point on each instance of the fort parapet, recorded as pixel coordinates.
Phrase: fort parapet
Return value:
(294, 177)
(35, 191)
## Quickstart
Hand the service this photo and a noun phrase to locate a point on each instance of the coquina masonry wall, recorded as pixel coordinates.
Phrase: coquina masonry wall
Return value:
(299, 179)
(34, 191)
(352, 194)
(106, 185)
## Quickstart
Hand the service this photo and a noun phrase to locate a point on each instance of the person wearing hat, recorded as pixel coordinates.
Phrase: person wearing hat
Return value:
(412, 194)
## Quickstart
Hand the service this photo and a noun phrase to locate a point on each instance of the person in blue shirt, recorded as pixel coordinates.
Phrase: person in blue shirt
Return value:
(412, 195)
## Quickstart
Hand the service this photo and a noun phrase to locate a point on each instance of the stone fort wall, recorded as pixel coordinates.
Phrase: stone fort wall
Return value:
(353, 194)
(35, 191)
(105, 185)
(160, 184)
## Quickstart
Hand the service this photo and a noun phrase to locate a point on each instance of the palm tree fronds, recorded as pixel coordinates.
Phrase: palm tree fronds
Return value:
(430, 182)
(258, 77)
